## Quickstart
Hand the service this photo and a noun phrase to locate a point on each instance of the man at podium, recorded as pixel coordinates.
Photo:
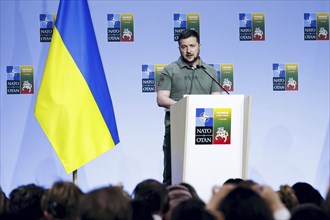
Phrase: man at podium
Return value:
(187, 75)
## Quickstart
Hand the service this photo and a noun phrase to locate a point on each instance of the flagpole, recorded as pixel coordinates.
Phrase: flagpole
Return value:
(75, 177)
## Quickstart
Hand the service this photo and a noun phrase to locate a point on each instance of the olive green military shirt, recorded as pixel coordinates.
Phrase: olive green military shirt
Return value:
(180, 80)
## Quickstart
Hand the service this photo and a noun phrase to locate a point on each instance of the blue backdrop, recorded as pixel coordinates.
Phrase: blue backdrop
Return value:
(289, 129)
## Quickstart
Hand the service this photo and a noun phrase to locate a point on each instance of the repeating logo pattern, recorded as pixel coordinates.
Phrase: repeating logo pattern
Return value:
(251, 27)
(316, 26)
(120, 27)
(20, 80)
(285, 77)
(185, 21)
(213, 126)
(47, 22)
(225, 75)
(150, 77)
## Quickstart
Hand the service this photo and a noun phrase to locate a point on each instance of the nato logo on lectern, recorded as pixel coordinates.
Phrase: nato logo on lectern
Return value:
(285, 77)
(316, 26)
(20, 80)
(46, 22)
(213, 126)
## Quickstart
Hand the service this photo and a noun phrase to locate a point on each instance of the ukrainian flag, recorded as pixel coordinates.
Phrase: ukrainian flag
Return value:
(74, 106)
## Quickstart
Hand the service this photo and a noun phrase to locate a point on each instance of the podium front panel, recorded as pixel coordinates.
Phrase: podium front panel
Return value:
(207, 140)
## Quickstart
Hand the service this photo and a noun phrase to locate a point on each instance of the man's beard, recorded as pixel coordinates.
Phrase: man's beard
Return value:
(190, 62)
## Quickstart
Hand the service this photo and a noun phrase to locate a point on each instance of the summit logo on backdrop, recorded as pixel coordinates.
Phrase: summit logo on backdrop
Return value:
(251, 27)
(285, 77)
(183, 22)
(120, 27)
(20, 80)
(225, 74)
(316, 26)
(150, 77)
(46, 22)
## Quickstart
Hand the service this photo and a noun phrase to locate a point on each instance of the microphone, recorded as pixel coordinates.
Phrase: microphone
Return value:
(222, 88)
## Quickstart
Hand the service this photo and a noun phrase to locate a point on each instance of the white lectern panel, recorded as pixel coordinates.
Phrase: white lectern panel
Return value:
(206, 165)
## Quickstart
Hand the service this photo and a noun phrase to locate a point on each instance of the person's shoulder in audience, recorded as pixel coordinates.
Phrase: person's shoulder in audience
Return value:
(326, 205)
(308, 211)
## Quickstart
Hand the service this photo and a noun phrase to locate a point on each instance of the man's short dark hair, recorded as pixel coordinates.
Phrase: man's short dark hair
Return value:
(154, 194)
(24, 201)
(188, 33)
(110, 203)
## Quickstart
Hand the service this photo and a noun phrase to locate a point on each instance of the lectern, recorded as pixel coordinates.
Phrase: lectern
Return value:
(209, 140)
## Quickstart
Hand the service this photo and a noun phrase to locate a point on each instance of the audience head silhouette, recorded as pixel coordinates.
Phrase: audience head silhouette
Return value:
(107, 203)
(154, 195)
(191, 209)
(177, 193)
(306, 193)
(243, 203)
(61, 201)
(24, 202)
(236, 199)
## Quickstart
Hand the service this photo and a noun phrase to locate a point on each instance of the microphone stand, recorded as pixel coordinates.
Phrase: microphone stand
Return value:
(223, 89)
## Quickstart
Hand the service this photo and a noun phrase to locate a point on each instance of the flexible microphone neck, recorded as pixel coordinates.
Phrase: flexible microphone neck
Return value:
(222, 88)
(192, 80)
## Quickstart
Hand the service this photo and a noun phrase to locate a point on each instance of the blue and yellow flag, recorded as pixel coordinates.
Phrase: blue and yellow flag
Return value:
(74, 106)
